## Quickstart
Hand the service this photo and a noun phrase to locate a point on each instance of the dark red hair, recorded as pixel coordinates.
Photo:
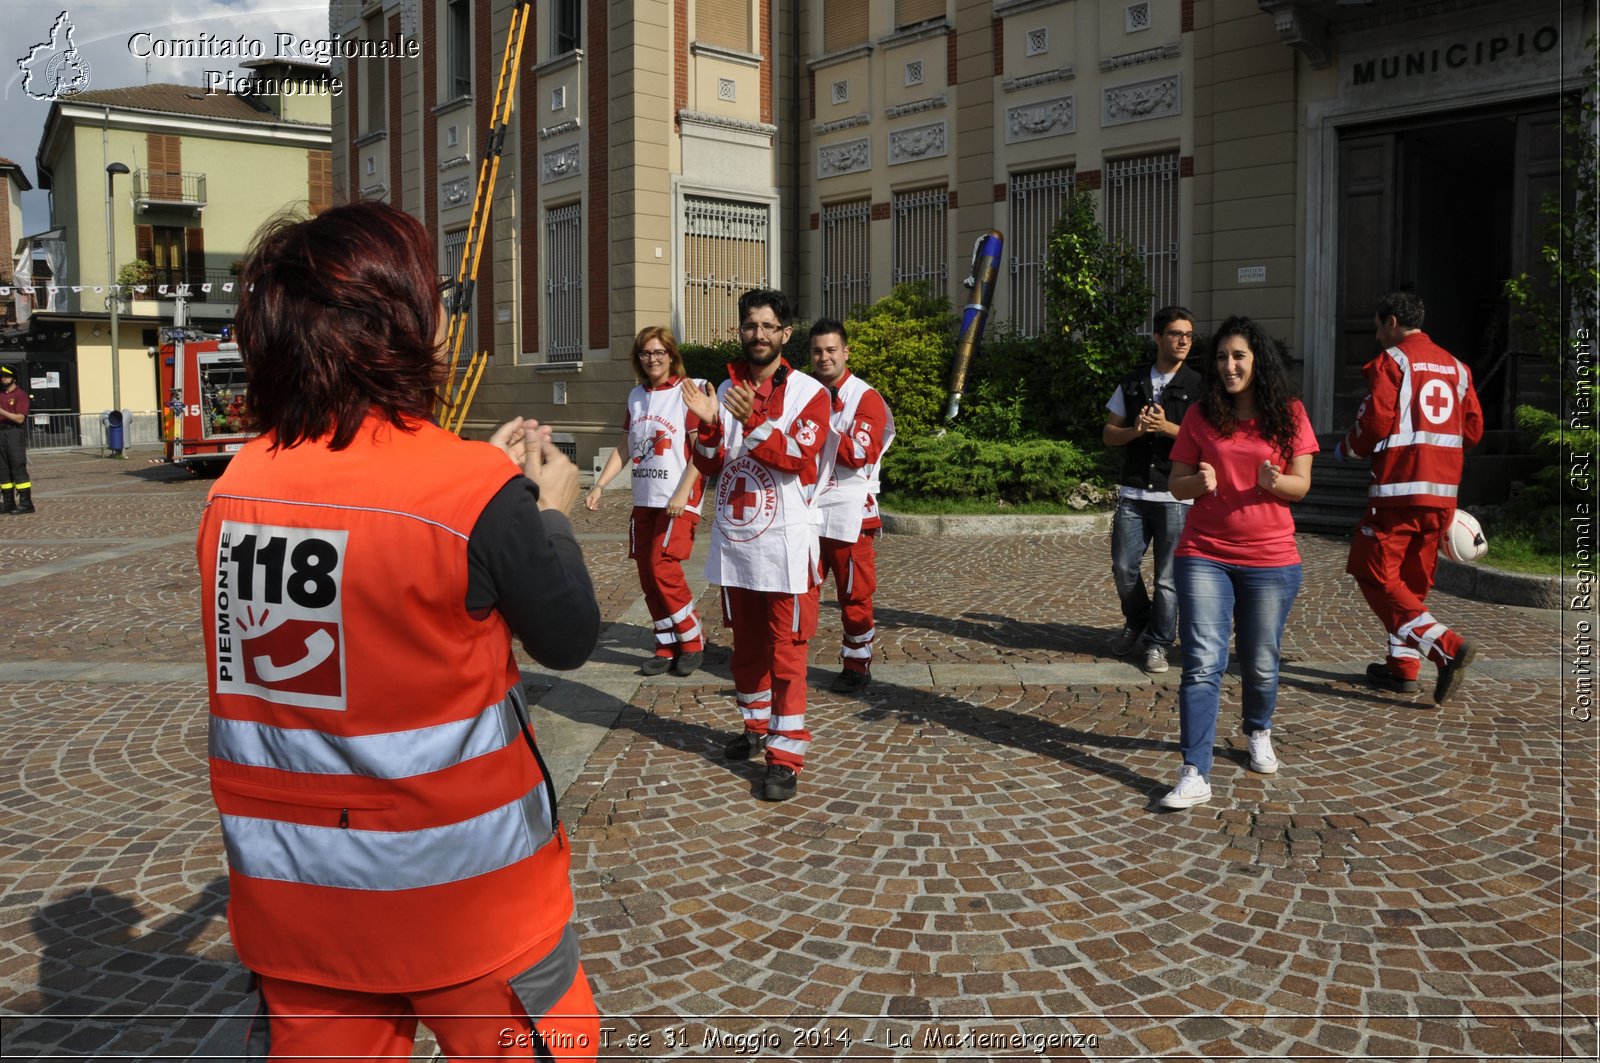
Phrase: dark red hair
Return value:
(337, 320)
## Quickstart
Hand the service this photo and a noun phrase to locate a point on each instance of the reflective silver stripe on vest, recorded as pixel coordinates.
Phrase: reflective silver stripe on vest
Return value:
(347, 858)
(1416, 487)
(395, 755)
(1412, 439)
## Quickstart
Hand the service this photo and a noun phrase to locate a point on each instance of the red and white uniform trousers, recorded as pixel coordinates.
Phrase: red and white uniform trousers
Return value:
(771, 642)
(659, 545)
(853, 565)
(1393, 557)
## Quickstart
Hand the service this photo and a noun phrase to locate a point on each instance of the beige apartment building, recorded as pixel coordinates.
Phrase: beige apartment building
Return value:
(200, 172)
(1287, 159)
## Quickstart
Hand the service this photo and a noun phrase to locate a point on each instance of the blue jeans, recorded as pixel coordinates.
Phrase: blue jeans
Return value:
(1134, 526)
(1216, 598)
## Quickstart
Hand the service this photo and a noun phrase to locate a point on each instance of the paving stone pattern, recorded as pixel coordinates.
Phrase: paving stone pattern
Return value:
(974, 868)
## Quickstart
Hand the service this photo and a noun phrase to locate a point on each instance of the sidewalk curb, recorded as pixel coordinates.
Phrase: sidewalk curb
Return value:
(1499, 586)
(963, 524)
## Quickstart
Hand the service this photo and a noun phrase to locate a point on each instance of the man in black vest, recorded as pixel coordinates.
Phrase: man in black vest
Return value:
(1144, 413)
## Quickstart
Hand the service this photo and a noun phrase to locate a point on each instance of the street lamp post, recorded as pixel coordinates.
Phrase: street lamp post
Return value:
(111, 286)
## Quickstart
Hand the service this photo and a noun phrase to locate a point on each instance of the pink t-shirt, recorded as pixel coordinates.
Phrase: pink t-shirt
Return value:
(1240, 523)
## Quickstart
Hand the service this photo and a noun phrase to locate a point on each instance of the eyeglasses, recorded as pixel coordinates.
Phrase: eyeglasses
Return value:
(765, 329)
(650, 356)
(1179, 337)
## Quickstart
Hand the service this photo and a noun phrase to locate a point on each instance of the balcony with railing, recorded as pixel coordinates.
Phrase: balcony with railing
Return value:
(192, 285)
(167, 188)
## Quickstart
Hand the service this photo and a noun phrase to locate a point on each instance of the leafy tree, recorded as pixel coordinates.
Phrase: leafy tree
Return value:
(1096, 300)
(1560, 307)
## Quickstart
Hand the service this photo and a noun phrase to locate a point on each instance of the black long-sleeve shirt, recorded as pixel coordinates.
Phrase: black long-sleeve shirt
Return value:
(525, 562)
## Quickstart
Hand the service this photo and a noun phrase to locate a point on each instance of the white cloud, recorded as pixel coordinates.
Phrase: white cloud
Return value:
(103, 32)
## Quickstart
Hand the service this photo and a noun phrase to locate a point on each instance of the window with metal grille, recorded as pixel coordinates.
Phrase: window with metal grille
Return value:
(921, 246)
(844, 23)
(1036, 201)
(1141, 200)
(724, 256)
(454, 244)
(563, 286)
(846, 278)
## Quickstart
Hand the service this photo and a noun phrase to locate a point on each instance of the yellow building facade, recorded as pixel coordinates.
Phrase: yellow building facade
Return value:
(1287, 159)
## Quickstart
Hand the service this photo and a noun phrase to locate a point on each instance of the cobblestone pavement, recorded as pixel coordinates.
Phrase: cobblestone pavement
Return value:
(974, 867)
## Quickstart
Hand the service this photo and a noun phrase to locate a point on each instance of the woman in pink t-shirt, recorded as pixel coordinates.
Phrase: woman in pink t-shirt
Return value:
(1243, 454)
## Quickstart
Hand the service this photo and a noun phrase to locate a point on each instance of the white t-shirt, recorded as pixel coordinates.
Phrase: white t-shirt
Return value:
(1118, 405)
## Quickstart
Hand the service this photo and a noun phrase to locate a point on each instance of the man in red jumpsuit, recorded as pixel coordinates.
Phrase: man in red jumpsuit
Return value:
(1419, 417)
(764, 434)
(861, 429)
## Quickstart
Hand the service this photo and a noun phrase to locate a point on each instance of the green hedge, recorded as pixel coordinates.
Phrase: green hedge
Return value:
(955, 465)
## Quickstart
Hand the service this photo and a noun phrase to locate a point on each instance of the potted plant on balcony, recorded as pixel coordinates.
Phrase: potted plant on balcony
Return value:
(131, 274)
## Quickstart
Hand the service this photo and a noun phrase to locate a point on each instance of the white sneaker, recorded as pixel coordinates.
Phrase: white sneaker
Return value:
(1192, 789)
(1262, 758)
(1155, 659)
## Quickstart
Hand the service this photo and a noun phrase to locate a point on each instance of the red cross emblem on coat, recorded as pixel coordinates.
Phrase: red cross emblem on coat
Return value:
(1437, 401)
(747, 500)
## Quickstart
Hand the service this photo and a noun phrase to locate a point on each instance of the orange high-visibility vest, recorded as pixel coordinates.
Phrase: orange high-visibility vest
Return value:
(388, 826)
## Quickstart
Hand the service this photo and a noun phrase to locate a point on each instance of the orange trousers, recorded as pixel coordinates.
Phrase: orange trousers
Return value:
(482, 1018)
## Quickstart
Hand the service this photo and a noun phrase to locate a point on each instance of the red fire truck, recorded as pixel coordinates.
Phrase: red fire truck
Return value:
(203, 423)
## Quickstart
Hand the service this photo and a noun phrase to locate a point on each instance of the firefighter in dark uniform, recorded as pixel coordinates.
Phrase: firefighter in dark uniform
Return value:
(16, 490)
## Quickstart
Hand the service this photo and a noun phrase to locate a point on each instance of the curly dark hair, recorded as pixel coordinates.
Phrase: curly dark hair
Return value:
(1274, 392)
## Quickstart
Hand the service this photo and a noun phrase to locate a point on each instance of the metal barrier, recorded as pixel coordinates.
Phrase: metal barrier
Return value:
(49, 430)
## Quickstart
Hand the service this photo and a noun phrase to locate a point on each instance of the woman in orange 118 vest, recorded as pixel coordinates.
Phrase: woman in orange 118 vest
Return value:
(394, 844)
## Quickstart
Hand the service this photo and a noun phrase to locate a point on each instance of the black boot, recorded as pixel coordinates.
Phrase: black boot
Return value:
(25, 500)
(8, 500)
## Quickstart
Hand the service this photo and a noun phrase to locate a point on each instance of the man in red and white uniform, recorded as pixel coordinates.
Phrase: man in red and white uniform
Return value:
(1419, 417)
(764, 434)
(859, 432)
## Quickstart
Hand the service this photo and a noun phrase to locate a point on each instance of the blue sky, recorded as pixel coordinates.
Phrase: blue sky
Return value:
(103, 30)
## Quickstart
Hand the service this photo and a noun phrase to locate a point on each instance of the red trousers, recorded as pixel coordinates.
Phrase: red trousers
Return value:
(659, 544)
(480, 1018)
(854, 566)
(1393, 557)
(771, 635)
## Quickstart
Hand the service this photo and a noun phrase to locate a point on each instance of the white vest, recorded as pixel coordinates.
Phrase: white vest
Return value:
(658, 454)
(846, 496)
(765, 533)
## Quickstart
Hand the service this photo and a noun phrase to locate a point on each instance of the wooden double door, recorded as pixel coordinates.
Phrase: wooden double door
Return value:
(1450, 207)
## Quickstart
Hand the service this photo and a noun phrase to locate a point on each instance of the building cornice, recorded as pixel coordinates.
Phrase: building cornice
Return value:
(722, 121)
(731, 55)
(843, 55)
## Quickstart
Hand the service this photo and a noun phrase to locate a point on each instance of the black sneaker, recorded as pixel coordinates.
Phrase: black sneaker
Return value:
(1124, 643)
(655, 666)
(1380, 676)
(744, 745)
(687, 663)
(1451, 675)
(849, 681)
(781, 783)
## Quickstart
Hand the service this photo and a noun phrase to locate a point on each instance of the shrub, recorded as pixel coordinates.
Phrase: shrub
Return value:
(902, 345)
(956, 465)
(1096, 299)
